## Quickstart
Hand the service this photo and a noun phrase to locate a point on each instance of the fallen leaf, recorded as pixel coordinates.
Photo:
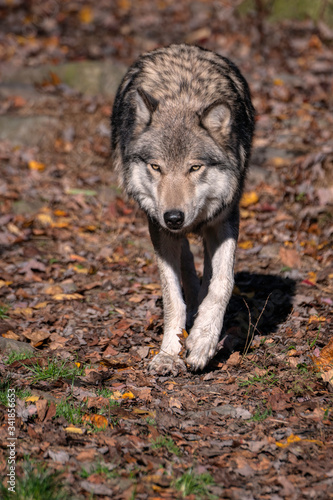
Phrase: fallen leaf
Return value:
(316, 319)
(290, 257)
(53, 290)
(5, 283)
(324, 362)
(86, 455)
(328, 377)
(245, 245)
(86, 15)
(36, 165)
(51, 412)
(249, 198)
(32, 399)
(74, 430)
(25, 311)
(138, 297)
(42, 406)
(44, 219)
(36, 336)
(97, 420)
(295, 439)
(10, 335)
(234, 359)
(128, 395)
(174, 403)
(68, 296)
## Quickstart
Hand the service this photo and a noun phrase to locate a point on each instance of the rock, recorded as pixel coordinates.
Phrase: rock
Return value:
(88, 77)
(27, 91)
(28, 130)
(270, 251)
(9, 345)
(96, 489)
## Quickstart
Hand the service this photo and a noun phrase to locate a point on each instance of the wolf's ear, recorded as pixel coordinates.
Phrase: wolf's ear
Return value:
(217, 118)
(146, 105)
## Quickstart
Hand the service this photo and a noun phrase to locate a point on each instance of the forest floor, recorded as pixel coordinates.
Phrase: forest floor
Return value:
(80, 300)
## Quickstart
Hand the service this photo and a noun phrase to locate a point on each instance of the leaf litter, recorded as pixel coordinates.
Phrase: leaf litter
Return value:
(79, 283)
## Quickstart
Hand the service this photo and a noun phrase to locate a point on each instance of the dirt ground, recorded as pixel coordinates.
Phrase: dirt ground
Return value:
(79, 286)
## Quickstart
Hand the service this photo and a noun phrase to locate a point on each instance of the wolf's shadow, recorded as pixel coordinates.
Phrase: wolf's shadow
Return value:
(259, 304)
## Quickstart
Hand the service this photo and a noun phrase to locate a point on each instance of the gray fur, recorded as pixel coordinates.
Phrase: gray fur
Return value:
(182, 127)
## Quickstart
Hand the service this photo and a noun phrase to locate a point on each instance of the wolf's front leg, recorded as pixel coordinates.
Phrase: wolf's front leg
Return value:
(220, 243)
(168, 252)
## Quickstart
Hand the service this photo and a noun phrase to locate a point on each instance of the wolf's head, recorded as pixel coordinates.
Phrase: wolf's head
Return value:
(182, 128)
(182, 166)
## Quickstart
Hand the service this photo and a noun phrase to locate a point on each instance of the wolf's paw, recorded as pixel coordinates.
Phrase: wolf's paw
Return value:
(200, 351)
(163, 363)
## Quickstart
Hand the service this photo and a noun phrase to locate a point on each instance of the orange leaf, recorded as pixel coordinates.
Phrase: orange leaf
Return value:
(86, 15)
(249, 198)
(36, 165)
(324, 362)
(245, 244)
(295, 439)
(96, 420)
(128, 395)
(73, 256)
(185, 334)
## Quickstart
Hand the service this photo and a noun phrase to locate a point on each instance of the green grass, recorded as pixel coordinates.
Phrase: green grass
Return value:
(55, 369)
(106, 393)
(18, 356)
(312, 344)
(195, 484)
(302, 368)
(8, 384)
(260, 415)
(73, 414)
(301, 196)
(3, 311)
(151, 421)
(168, 444)
(36, 483)
(268, 379)
(100, 468)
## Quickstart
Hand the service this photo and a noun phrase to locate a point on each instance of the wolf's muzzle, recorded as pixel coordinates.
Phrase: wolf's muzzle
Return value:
(174, 219)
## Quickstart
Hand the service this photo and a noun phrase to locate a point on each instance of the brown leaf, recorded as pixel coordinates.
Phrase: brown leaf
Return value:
(36, 336)
(42, 407)
(278, 400)
(234, 359)
(51, 412)
(174, 403)
(110, 351)
(97, 402)
(290, 257)
(86, 455)
(143, 393)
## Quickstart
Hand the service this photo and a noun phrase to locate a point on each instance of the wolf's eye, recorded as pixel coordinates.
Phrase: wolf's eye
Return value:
(195, 168)
(155, 167)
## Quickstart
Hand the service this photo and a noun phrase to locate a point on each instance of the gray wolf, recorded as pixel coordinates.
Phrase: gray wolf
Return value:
(182, 127)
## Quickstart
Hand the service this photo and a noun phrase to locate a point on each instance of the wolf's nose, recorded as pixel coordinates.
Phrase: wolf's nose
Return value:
(174, 219)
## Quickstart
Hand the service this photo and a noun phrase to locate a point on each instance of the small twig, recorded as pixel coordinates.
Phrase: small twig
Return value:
(247, 345)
